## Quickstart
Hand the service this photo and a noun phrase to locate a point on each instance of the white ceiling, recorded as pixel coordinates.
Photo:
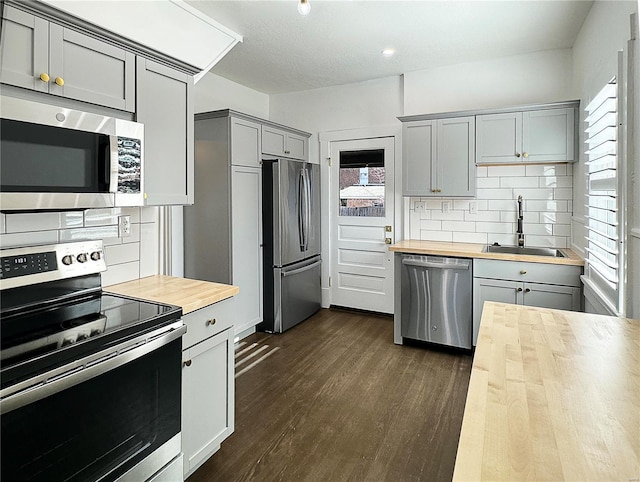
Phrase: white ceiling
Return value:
(340, 42)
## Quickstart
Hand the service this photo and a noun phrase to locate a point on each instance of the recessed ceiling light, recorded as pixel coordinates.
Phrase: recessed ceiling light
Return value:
(388, 52)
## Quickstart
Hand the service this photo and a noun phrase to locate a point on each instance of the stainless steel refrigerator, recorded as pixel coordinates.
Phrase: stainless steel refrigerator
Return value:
(291, 238)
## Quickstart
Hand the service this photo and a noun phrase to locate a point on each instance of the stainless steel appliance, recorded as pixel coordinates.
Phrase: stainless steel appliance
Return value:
(436, 301)
(90, 383)
(59, 158)
(291, 232)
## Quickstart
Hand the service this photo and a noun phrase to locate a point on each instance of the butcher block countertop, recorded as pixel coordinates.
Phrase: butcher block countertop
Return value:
(553, 395)
(190, 294)
(472, 250)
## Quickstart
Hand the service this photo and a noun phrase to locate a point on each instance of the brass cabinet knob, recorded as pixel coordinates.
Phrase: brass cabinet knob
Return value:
(519, 290)
(59, 81)
(523, 271)
(525, 155)
(44, 77)
(433, 190)
(187, 363)
(527, 290)
(211, 322)
(287, 152)
(517, 154)
(439, 190)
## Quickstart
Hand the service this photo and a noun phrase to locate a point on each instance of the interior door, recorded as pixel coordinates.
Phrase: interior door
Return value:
(362, 220)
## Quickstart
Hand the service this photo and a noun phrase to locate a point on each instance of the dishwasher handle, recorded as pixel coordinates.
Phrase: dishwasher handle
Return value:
(458, 264)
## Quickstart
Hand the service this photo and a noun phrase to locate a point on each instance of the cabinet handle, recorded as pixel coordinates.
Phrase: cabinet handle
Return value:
(187, 363)
(527, 290)
(439, 190)
(517, 154)
(211, 322)
(59, 81)
(525, 155)
(519, 290)
(44, 77)
(523, 271)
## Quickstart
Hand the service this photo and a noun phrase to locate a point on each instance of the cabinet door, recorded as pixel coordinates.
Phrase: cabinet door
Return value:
(418, 156)
(165, 107)
(24, 50)
(90, 70)
(245, 143)
(552, 296)
(274, 141)
(499, 138)
(297, 147)
(246, 235)
(492, 290)
(548, 135)
(207, 398)
(455, 162)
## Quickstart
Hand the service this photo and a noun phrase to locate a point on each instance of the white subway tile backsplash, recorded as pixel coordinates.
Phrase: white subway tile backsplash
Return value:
(97, 232)
(430, 225)
(121, 253)
(28, 239)
(538, 229)
(494, 193)
(518, 182)
(149, 214)
(483, 216)
(546, 241)
(462, 205)
(436, 235)
(462, 226)
(546, 170)
(450, 216)
(556, 181)
(414, 225)
(480, 238)
(133, 212)
(121, 273)
(433, 204)
(504, 171)
(549, 205)
(538, 193)
(102, 217)
(563, 193)
(2, 223)
(502, 205)
(562, 230)
(488, 182)
(553, 217)
(482, 171)
(503, 239)
(150, 255)
(498, 228)
(26, 222)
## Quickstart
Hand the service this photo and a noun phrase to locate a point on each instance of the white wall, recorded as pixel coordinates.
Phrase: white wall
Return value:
(538, 77)
(213, 92)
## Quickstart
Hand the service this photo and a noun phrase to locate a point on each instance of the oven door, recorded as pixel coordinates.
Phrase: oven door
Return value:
(100, 418)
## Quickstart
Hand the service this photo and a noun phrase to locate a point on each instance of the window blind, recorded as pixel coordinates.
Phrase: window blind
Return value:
(603, 215)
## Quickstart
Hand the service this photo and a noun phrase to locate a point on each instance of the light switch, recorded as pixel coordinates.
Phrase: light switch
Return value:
(446, 207)
(473, 207)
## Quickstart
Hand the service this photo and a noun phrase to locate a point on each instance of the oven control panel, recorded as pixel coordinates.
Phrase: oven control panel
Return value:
(39, 264)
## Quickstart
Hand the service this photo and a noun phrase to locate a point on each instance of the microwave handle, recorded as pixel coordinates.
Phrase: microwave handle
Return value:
(106, 163)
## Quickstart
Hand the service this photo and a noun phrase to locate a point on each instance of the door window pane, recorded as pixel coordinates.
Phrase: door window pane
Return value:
(361, 183)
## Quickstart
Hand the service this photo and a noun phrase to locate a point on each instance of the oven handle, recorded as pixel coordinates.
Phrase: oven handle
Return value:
(74, 373)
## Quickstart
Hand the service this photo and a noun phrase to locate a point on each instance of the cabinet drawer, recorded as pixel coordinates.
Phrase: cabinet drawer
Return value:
(529, 272)
(201, 324)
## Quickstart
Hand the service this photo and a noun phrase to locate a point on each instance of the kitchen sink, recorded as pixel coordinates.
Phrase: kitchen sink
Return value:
(555, 253)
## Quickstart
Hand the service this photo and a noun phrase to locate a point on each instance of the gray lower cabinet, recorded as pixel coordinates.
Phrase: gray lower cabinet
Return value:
(207, 382)
(531, 284)
(46, 57)
(165, 107)
(438, 157)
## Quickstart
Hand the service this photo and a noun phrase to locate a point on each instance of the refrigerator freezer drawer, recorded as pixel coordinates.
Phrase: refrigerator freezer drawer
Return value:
(296, 294)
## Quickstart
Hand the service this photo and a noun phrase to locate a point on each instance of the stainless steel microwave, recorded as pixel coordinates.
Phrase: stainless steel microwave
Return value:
(57, 158)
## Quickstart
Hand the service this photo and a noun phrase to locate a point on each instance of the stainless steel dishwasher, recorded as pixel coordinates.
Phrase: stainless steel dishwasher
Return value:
(436, 300)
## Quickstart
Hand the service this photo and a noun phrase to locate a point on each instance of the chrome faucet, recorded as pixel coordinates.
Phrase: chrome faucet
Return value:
(520, 231)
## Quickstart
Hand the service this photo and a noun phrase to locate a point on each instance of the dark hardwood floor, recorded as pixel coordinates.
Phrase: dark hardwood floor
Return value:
(334, 399)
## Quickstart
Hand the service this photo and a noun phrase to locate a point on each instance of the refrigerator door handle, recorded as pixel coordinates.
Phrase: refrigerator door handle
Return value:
(284, 274)
(301, 210)
(307, 208)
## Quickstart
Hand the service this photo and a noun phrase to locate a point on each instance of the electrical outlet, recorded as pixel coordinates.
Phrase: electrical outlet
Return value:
(124, 226)
(473, 207)
(446, 207)
(419, 207)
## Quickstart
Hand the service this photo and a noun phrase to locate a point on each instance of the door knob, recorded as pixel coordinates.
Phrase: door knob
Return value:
(387, 229)
(387, 240)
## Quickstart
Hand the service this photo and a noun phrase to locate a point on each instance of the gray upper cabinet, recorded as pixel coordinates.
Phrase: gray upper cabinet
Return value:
(165, 107)
(279, 142)
(438, 157)
(245, 142)
(46, 57)
(546, 135)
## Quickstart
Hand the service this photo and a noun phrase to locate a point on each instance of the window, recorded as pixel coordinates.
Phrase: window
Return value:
(604, 212)
(362, 183)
